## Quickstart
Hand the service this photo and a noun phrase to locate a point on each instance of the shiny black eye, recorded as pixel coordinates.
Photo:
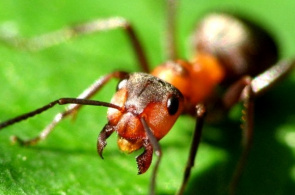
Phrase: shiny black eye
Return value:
(172, 105)
(121, 84)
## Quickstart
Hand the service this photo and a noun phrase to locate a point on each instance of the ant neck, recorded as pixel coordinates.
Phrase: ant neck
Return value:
(195, 79)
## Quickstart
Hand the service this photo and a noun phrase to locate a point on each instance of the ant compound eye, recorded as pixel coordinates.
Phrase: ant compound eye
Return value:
(121, 84)
(172, 105)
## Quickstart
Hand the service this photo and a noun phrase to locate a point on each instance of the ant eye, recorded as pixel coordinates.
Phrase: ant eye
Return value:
(121, 84)
(172, 105)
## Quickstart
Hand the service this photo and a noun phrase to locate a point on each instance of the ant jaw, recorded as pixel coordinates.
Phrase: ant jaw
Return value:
(101, 140)
(144, 160)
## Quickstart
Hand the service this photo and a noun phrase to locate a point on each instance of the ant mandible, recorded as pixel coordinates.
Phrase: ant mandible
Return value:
(232, 54)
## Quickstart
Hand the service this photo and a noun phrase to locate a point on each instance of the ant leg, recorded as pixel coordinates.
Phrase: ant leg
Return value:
(241, 91)
(259, 84)
(171, 45)
(268, 78)
(56, 37)
(144, 160)
(245, 90)
(247, 96)
(71, 109)
(200, 114)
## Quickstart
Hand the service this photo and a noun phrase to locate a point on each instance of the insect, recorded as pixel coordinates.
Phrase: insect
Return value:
(148, 82)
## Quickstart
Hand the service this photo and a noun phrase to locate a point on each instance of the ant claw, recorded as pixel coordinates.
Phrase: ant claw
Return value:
(15, 139)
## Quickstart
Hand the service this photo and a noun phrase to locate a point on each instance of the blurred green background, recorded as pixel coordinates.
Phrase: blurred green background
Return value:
(67, 162)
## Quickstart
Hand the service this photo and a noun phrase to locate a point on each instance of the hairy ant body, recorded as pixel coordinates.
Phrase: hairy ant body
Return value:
(231, 53)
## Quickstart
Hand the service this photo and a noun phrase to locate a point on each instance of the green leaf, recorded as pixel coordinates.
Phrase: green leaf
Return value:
(67, 162)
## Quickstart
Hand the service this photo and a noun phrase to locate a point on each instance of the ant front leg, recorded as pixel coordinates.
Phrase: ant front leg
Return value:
(57, 37)
(245, 90)
(200, 117)
(71, 109)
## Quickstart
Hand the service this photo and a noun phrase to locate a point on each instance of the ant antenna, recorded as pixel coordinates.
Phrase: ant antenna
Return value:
(60, 101)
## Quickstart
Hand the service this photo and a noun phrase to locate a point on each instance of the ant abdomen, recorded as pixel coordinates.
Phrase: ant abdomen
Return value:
(242, 47)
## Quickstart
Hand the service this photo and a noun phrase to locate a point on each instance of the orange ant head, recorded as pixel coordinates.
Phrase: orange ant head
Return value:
(143, 96)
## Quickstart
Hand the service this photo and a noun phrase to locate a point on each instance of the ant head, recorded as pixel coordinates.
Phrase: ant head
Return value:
(143, 96)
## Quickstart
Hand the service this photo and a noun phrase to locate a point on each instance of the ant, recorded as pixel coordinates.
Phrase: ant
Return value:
(233, 55)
